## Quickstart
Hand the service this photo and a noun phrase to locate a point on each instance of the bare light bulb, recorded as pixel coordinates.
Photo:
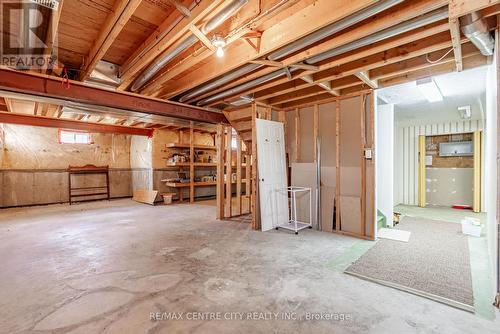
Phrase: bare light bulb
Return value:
(220, 52)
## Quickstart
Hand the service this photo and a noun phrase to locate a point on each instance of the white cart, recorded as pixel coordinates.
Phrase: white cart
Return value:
(294, 224)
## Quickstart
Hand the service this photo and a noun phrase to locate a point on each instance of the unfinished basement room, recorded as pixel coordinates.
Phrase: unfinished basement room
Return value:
(249, 166)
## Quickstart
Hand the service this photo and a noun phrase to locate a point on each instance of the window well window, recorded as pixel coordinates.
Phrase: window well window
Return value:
(74, 137)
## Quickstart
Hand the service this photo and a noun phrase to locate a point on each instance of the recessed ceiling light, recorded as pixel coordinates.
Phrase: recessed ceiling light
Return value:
(429, 89)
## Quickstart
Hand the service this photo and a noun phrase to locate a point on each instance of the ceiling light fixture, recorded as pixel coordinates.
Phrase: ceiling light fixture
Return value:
(429, 89)
(219, 42)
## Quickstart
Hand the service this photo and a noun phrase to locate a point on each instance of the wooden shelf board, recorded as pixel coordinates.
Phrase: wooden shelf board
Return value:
(197, 147)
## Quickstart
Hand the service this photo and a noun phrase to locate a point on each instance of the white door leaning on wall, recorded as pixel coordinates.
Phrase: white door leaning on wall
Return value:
(272, 173)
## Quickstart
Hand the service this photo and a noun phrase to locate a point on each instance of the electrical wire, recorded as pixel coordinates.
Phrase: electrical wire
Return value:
(438, 60)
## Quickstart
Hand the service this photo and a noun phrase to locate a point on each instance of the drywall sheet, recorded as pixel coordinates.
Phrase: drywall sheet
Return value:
(306, 134)
(350, 138)
(449, 186)
(304, 175)
(327, 125)
(327, 208)
(350, 214)
(328, 187)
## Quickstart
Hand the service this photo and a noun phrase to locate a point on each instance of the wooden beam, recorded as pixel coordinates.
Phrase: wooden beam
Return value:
(441, 68)
(228, 210)
(267, 62)
(163, 39)
(309, 17)
(455, 41)
(24, 119)
(48, 86)
(191, 163)
(421, 63)
(238, 208)
(403, 40)
(254, 199)
(116, 20)
(462, 7)
(365, 77)
(219, 143)
(295, 26)
(422, 47)
(52, 32)
(201, 36)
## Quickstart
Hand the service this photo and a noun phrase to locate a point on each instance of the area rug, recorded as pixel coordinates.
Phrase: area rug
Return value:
(434, 263)
(393, 234)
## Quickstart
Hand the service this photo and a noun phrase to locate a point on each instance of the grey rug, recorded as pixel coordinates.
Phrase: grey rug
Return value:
(434, 263)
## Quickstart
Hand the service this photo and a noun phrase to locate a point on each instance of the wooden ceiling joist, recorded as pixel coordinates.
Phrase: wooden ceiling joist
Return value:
(462, 7)
(23, 119)
(296, 25)
(116, 20)
(236, 57)
(436, 69)
(45, 86)
(365, 77)
(165, 38)
(401, 40)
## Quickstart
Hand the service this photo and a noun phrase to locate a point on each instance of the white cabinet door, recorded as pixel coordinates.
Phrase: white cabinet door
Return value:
(272, 173)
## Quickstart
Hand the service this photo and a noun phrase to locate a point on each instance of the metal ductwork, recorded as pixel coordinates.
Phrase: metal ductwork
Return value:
(164, 59)
(476, 30)
(403, 27)
(295, 46)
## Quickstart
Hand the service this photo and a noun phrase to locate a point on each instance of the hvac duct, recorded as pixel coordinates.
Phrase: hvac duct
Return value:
(296, 46)
(163, 60)
(476, 30)
(403, 27)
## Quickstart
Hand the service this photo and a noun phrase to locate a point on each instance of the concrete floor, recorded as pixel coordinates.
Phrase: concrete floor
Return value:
(103, 267)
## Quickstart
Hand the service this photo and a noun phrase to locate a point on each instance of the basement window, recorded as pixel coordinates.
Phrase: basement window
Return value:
(74, 137)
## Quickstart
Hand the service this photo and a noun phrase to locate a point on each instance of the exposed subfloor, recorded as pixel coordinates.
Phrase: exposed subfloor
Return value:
(103, 267)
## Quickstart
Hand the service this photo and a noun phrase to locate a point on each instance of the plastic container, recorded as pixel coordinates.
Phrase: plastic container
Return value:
(167, 198)
(471, 226)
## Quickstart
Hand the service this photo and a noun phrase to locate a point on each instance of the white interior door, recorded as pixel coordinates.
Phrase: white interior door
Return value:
(272, 174)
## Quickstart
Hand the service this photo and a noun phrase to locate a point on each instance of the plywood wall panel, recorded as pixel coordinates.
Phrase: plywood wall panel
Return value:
(327, 115)
(306, 134)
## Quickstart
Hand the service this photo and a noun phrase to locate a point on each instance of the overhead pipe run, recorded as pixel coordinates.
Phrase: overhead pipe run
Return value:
(476, 30)
(403, 27)
(163, 60)
(295, 46)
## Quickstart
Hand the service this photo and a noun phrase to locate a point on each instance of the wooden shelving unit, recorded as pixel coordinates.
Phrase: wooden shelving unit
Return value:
(196, 147)
(191, 164)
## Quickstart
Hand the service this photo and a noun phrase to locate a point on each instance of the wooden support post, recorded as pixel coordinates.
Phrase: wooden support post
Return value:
(421, 172)
(315, 130)
(191, 164)
(219, 143)
(248, 177)
(370, 168)
(238, 176)
(229, 172)
(477, 172)
(297, 135)
(255, 189)
(363, 164)
(337, 168)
